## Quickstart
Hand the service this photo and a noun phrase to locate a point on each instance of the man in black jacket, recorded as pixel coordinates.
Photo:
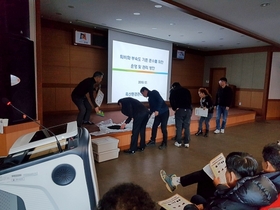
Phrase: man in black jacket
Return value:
(88, 85)
(244, 190)
(222, 104)
(181, 102)
(161, 112)
(133, 108)
(206, 188)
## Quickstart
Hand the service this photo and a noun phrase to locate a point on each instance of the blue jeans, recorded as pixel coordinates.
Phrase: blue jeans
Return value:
(221, 110)
(183, 119)
(206, 119)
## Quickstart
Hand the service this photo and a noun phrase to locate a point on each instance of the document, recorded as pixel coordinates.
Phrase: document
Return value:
(217, 168)
(176, 202)
(99, 98)
(201, 112)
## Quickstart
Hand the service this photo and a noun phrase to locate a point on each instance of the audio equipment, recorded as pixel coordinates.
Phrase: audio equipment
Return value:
(35, 175)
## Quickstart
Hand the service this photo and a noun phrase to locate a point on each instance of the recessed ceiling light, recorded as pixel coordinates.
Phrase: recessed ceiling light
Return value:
(154, 28)
(172, 24)
(158, 6)
(70, 22)
(136, 13)
(118, 19)
(265, 4)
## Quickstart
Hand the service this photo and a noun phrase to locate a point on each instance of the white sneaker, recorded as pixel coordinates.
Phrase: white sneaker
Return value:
(177, 144)
(217, 131)
(222, 130)
(187, 145)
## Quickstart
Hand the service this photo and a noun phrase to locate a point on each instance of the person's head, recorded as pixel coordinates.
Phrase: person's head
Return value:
(98, 76)
(271, 157)
(202, 92)
(126, 196)
(175, 85)
(223, 82)
(239, 165)
(144, 91)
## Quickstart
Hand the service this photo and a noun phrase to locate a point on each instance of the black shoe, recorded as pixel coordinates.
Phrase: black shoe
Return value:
(88, 122)
(141, 149)
(206, 133)
(151, 143)
(162, 146)
(128, 151)
(199, 132)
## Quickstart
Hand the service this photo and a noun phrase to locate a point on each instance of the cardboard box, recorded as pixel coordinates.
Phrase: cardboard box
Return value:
(107, 155)
(104, 144)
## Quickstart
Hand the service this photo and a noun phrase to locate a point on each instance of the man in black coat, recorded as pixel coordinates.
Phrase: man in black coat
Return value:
(181, 102)
(222, 104)
(244, 190)
(133, 108)
(87, 86)
(161, 112)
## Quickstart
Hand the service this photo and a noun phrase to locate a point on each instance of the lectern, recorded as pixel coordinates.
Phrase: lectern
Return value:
(12, 133)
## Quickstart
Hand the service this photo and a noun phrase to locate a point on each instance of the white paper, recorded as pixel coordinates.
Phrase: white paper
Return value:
(201, 112)
(218, 166)
(208, 171)
(176, 202)
(99, 98)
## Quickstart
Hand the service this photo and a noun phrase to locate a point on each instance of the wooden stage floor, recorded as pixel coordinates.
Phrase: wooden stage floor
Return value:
(235, 117)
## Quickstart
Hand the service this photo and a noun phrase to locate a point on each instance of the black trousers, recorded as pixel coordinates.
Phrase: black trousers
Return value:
(205, 186)
(161, 119)
(139, 128)
(84, 109)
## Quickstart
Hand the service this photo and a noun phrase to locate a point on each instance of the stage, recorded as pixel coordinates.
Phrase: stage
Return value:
(235, 117)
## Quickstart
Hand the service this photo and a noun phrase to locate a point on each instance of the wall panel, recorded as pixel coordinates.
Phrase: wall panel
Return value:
(273, 109)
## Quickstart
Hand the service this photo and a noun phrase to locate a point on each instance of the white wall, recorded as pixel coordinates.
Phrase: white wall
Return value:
(274, 86)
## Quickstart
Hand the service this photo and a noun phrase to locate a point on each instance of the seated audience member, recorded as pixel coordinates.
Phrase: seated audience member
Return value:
(244, 190)
(206, 188)
(126, 196)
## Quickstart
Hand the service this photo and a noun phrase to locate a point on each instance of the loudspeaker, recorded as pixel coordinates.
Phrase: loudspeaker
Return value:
(14, 17)
(18, 62)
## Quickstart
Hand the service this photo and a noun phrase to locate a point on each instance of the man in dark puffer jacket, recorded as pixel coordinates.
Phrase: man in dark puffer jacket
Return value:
(244, 191)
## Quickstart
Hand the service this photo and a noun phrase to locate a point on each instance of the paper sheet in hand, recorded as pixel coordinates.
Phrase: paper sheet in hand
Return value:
(99, 98)
(201, 112)
(176, 202)
(217, 168)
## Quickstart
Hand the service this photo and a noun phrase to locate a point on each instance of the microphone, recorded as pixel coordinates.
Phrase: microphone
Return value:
(9, 103)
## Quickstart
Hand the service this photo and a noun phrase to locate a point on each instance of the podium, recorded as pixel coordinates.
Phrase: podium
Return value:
(12, 133)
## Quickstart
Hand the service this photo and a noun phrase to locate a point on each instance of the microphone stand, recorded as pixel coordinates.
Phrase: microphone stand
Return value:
(57, 142)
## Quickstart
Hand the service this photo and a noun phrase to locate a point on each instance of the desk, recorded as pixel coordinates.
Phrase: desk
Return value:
(12, 133)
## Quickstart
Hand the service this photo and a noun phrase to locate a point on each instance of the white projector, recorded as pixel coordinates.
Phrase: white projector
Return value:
(51, 169)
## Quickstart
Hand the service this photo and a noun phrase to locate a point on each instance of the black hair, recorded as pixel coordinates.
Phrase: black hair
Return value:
(144, 88)
(126, 196)
(175, 85)
(241, 164)
(98, 74)
(223, 79)
(271, 153)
